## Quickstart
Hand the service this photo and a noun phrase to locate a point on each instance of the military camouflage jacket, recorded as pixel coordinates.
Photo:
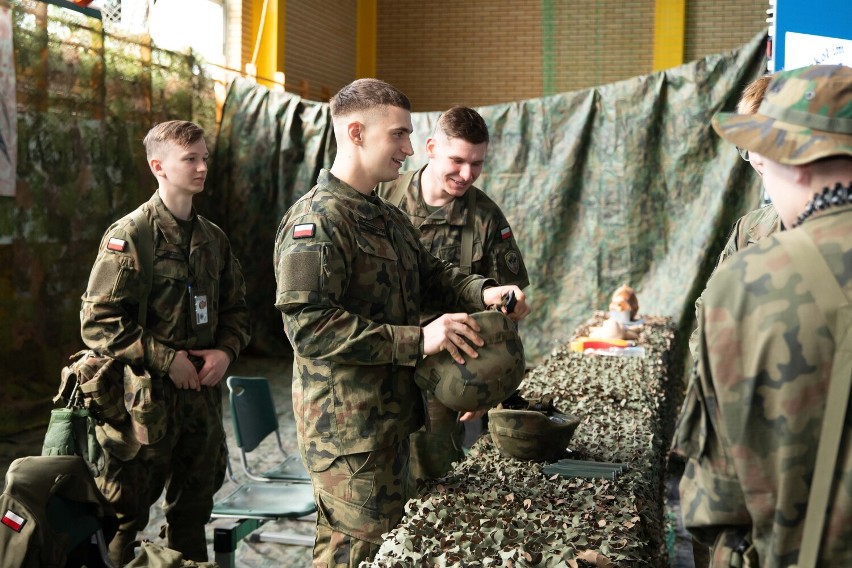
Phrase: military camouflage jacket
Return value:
(351, 277)
(111, 302)
(495, 252)
(748, 230)
(751, 421)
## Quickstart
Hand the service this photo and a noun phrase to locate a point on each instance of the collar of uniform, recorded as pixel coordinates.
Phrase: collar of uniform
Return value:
(169, 228)
(362, 205)
(454, 213)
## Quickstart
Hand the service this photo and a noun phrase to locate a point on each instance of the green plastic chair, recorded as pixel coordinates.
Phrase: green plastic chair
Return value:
(253, 503)
(254, 417)
(283, 492)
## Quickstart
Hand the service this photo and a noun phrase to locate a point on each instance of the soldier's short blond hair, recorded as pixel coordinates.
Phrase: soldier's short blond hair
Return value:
(753, 95)
(179, 132)
(365, 95)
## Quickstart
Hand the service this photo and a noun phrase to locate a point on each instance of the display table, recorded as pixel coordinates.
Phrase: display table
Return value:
(496, 511)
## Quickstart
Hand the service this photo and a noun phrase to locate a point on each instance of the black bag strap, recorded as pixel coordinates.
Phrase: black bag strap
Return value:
(835, 306)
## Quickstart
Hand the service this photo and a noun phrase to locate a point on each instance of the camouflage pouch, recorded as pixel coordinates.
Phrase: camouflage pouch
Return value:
(100, 383)
(152, 555)
(146, 407)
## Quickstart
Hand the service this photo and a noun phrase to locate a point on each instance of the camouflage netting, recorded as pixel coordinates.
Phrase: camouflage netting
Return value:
(622, 183)
(85, 100)
(496, 511)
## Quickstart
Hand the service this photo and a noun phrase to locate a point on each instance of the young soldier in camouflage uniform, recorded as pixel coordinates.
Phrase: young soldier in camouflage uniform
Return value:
(436, 201)
(758, 223)
(352, 276)
(752, 420)
(196, 308)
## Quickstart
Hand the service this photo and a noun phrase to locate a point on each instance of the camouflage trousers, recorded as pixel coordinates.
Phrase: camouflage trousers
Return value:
(189, 462)
(436, 445)
(359, 497)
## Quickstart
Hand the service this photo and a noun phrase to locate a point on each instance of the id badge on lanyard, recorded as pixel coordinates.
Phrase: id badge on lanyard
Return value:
(200, 316)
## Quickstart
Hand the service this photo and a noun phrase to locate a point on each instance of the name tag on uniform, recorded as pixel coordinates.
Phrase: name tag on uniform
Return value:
(200, 301)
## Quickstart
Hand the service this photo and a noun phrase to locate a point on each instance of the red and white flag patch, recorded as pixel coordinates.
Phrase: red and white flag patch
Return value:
(505, 233)
(117, 245)
(304, 230)
(13, 521)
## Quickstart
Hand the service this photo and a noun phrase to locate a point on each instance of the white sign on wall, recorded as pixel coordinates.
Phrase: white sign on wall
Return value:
(806, 49)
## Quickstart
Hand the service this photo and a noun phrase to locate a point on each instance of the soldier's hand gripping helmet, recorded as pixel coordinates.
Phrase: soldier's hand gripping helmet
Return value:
(480, 383)
(530, 429)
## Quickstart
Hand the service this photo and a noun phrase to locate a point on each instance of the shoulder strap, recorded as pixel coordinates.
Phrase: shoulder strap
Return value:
(397, 194)
(145, 249)
(467, 232)
(837, 310)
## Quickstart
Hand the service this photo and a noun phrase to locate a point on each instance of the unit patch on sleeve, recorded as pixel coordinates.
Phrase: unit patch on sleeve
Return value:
(13, 521)
(513, 262)
(304, 231)
(505, 233)
(117, 245)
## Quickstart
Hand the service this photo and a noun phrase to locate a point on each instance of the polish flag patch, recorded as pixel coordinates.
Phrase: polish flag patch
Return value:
(117, 245)
(13, 521)
(304, 231)
(505, 233)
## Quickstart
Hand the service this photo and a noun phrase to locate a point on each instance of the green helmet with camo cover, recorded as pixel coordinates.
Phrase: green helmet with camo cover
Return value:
(479, 383)
(530, 429)
(806, 115)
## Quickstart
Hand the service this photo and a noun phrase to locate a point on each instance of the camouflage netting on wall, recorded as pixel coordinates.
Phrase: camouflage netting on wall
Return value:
(624, 183)
(492, 510)
(85, 101)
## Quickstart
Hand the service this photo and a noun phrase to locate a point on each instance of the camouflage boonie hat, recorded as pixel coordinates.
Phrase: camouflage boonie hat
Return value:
(530, 429)
(806, 115)
(480, 383)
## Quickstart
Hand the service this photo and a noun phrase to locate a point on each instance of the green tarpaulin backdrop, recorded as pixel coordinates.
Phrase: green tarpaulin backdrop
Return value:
(623, 183)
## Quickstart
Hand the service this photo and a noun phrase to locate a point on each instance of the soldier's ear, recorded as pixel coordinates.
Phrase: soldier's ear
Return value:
(430, 147)
(355, 130)
(156, 167)
(802, 174)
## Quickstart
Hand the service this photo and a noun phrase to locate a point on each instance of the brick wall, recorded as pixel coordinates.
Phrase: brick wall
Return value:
(487, 51)
(714, 27)
(319, 47)
(480, 52)
(476, 52)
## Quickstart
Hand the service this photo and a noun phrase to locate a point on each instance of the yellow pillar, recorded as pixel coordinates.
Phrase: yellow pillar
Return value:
(365, 39)
(669, 33)
(270, 47)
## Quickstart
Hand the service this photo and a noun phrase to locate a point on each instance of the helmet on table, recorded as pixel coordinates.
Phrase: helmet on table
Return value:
(530, 429)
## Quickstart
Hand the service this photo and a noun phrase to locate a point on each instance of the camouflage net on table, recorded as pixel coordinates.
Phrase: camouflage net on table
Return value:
(497, 511)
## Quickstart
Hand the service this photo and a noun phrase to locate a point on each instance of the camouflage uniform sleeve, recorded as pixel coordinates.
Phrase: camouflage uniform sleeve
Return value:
(312, 276)
(233, 331)
(712, 502)
(734, 243)
(110, 306)
(502, 259)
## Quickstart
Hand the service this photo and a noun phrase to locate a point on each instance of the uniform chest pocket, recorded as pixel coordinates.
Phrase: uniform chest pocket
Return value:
(374, 270)
(452, 253)
(170, 266)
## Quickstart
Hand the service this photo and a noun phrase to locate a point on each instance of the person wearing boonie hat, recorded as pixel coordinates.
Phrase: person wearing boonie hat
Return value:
(758, 223)
(772, 319)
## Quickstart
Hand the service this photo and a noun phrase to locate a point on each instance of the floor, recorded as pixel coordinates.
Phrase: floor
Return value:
(267, 554)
